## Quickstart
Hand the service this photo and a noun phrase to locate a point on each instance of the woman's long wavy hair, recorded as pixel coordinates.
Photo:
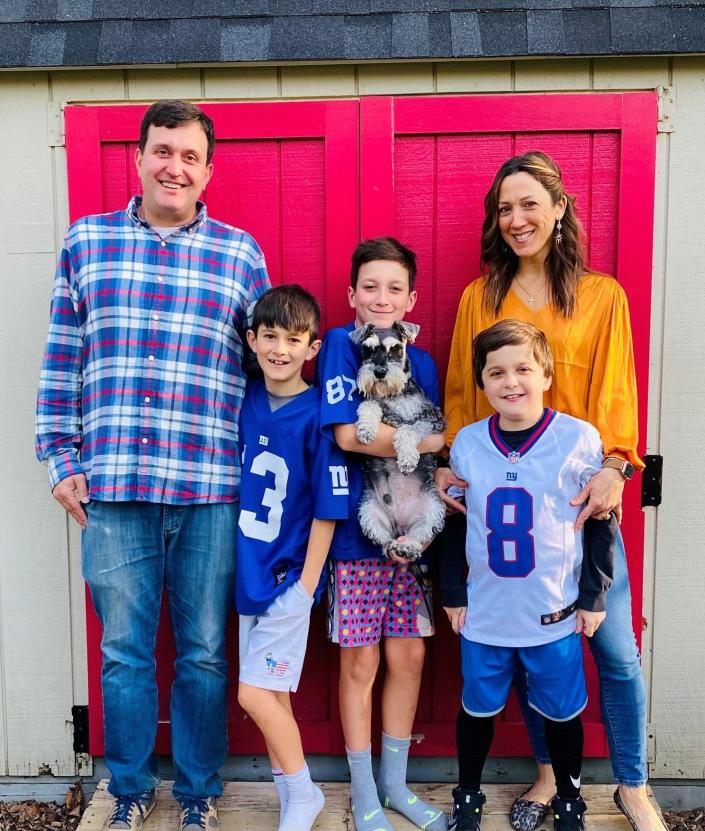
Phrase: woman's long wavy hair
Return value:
(565, 263)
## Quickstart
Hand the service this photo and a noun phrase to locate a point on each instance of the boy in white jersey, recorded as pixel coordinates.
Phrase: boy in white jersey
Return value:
(528, 595)
(294, 488)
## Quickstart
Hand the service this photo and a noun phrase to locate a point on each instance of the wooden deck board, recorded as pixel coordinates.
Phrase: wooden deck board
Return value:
(252, 806)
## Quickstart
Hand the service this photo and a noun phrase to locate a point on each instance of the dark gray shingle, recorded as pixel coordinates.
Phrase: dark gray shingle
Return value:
(307, 38)
(410, 35)
(587, 32)
(544, 32)
(74, 10)
(503, 33)
(81, 48)
(465, 34)
(228, 9)
(688, 28)
(368, 37)
(46, 47)
(14, 44)
(196, 39)
(151, 42)
(115, 43)
(13, 11)
(642, 30)
(245, 40)
(440, 38)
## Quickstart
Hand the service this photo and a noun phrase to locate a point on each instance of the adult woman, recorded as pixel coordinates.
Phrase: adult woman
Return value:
(535, 272)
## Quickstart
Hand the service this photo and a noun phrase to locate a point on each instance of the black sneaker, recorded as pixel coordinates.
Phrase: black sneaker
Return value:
(467, 810)
(568, 814)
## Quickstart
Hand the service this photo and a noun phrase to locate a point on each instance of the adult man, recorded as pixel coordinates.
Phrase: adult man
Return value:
(137, 415)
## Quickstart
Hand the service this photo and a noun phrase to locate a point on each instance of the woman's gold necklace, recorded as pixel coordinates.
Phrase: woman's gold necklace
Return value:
(530, 295)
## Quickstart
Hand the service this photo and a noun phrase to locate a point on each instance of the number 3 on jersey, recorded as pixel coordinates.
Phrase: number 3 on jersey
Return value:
(510, 545)
(272, 498)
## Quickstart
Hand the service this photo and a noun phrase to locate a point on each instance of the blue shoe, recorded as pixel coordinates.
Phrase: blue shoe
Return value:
(199, 814)
(130, 812)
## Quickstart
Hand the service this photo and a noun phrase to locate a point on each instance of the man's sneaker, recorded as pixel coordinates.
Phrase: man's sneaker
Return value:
(130, 812)
(467, 810)
(568, 814)
(198, 814)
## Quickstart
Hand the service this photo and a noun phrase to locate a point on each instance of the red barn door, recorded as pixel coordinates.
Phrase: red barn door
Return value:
(310, 179)
(426, 164)
(288, 174)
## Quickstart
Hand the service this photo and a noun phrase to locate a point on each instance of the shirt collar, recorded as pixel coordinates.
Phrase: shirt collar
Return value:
(133, 214)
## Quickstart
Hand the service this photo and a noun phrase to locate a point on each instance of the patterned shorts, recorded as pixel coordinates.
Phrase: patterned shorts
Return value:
(368, 599)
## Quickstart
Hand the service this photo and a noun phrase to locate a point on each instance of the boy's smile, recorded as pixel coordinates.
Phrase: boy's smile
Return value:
(281, 354)
(514, 384)
(382, 294)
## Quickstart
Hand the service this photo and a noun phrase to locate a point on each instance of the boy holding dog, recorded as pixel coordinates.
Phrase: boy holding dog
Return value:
(372, 598)
(534, 584)
(294, 488)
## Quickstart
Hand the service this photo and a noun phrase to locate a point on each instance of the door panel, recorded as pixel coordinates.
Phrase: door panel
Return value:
(426, 184)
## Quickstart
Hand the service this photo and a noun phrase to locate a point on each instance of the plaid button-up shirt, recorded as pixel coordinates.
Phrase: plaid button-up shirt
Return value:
(142, 380)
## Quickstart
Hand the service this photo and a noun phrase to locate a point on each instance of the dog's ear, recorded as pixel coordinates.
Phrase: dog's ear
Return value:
(409, 331)
(361, 333)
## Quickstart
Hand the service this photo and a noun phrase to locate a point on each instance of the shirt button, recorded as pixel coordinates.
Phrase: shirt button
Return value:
(144, 441)
(147, 399)
(160, 279)
(151, 358)
(163, 243)
(155, 317)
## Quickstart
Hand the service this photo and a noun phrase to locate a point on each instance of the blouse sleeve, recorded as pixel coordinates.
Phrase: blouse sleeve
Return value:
(612, 395)
(461, 391)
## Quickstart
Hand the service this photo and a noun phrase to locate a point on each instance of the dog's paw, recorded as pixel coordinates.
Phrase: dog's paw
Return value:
(365, 434)
(406, 547)
(407, 461)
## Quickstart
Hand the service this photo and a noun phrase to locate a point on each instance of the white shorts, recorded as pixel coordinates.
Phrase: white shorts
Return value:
(273, 644)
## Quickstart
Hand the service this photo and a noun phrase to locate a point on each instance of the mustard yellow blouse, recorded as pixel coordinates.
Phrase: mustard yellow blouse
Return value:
(594, 362)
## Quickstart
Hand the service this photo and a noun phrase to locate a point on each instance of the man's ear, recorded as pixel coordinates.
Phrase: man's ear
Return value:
(361, 333)
(409, 331)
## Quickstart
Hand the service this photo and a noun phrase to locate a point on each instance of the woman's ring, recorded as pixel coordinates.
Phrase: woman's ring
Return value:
(606, 515)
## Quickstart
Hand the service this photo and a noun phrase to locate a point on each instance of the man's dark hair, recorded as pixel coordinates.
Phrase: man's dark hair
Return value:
(173, 113)
(289, 306)
(510, 333)
(383, 248)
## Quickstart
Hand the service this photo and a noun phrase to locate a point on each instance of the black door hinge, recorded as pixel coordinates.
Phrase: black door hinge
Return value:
(651, 482)
(79, 715)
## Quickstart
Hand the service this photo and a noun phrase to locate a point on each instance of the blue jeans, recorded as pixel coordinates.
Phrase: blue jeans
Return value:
(130, 551)
(622, 690)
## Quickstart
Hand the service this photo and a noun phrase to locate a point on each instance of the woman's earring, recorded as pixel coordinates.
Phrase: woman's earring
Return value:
(558, 236)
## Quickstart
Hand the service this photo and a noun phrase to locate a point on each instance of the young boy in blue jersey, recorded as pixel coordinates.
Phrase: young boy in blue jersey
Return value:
(294, 488)
(372, 597)
(534, 584)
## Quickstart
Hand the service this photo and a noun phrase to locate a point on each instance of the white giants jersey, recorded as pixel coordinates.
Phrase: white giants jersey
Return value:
(523, 555)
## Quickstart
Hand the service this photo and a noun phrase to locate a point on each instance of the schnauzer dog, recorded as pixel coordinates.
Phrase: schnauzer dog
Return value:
(399, 499)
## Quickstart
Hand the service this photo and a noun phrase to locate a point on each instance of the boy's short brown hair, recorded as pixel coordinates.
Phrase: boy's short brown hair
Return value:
(383, 248)
(510, 333)
(289, 306)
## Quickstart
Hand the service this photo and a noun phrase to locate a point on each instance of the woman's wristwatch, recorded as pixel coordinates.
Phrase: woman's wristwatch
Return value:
(624, 467)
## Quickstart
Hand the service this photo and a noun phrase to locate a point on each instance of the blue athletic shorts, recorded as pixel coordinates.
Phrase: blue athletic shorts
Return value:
(554, 671)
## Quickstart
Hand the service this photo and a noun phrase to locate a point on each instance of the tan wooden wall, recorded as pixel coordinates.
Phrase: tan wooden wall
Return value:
(42, 653)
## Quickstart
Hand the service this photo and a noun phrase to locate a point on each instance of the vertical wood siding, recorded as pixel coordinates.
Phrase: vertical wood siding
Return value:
(42, 652)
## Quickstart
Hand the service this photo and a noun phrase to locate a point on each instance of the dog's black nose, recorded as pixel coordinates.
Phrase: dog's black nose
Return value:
(380, 372)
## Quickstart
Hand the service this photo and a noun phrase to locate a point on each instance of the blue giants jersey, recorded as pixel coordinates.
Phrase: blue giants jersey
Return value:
(336, 367)
(523, 553)
(291, 475)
